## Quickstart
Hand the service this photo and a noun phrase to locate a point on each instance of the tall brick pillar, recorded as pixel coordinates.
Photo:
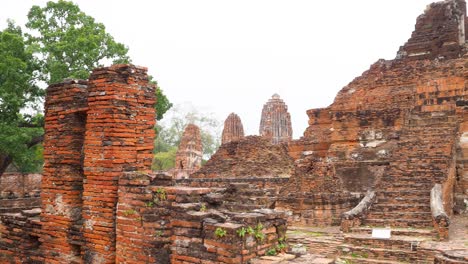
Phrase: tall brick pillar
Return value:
(119, 138)
(62, 181)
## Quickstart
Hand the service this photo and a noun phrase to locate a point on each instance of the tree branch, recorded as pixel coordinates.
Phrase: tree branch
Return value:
(30, 125)
(35, 141)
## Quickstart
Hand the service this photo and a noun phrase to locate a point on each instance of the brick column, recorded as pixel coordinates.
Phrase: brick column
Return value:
(62, 180)
(119, 138)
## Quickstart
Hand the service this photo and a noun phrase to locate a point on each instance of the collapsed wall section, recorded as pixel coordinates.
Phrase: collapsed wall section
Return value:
(177, 224)
(440, 33)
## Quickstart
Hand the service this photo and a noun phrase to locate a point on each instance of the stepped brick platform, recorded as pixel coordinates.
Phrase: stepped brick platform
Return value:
(252, 155)
(422, 159)
(318, 245)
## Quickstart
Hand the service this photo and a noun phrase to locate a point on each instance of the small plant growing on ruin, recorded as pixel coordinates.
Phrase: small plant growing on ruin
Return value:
(280, 247)
(281, 244)
(158, 233)
(250, 230)
(271, 252)
(159, 195)
(129, 212)
(220, 232)
(203, 207)
(150, 204)
(241, 232)
(258, 232)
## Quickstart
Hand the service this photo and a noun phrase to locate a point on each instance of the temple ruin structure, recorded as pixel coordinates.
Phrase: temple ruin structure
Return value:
(390, 154)
(190, 152)
(275, 123)
(233, 129)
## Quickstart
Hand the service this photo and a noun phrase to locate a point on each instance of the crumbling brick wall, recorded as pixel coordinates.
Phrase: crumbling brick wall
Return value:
(19, 192)
(62, 181)
(14, 184)
(20, 237)
(382, 125)
(98, 205)
(95, 131)
(175, 224)
(439, 32)
(119, 138)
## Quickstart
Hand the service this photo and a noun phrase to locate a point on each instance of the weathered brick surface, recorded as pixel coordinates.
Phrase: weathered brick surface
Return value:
(190, 152)
(19, 192)
(256, 182)
(317, 209)
(62, 181)
(439, 32)
(19, 237)
(461, 184)
(275, 123)
(393, 129)
(119, 138)
(233, 129)
(252, 156)
(143, 221)
(17, 185)
(398, 129)
(176, 224)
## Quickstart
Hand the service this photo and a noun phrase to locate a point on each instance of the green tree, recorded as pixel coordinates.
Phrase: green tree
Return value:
(70, 43)
(164, 160)
(64, 43)
(20, 133)
(162, 103)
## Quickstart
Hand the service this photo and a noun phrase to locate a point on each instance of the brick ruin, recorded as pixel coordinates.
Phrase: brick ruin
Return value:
(233, 129)
(100, 203)
(252, 156)
(275, 123)
(190, 152)
(391, 150)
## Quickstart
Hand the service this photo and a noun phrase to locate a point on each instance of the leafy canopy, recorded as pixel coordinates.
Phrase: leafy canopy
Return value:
(64, 43)
(70, 43)
(18, 91)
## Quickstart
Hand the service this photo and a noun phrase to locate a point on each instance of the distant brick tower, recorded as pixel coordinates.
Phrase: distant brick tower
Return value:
(233, 129)
(276, 121)
(190, 152)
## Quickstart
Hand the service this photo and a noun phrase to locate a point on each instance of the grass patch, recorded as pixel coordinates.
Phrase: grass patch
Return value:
(306, 233)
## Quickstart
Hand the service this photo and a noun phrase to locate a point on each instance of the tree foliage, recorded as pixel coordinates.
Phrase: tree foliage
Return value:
(164, 160)
(71, 43)
(64, 42)
(19, 132)
(162, 103)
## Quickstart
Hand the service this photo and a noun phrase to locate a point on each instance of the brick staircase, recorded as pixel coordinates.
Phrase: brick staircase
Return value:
(238, 197)
(422, 159)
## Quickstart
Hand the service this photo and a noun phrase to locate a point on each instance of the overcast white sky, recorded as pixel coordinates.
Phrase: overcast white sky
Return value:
(231, 56)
